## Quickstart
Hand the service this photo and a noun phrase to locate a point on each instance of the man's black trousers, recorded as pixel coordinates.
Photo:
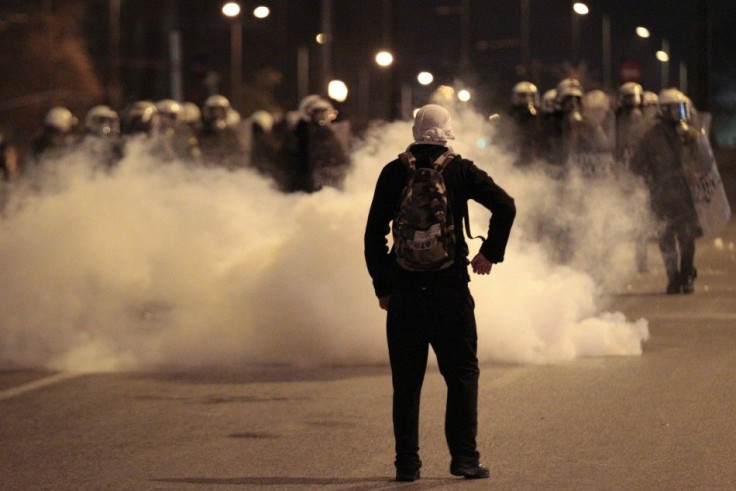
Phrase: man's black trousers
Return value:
(440, 315)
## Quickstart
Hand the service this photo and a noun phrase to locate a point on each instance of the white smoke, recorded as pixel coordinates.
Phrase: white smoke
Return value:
(167, 265)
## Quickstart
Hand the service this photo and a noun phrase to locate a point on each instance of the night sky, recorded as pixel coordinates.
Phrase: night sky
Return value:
(424, 35)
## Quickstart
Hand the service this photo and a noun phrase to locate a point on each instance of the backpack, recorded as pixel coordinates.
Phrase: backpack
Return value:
(423, 230)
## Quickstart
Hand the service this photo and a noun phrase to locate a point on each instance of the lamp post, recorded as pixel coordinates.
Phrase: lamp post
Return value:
(663, 55)
(232, 11)
(384, 59)
(607, 58)
(579, 9)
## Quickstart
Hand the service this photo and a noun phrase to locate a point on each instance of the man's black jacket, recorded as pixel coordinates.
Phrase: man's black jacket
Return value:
(464, 181)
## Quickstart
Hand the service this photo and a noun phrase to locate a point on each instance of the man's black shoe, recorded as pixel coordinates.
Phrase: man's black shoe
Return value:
(673, 288)
(469, 471)
(688, 281)
(407, 475)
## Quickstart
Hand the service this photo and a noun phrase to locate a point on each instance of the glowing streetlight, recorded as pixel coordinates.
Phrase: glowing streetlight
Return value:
(261, 12)
(384, 58)
(663, 56)
(321, 38)
(580, 8)
(463, 95)
(643, 32)
(337, 90)
(231, 9)
(425, 78)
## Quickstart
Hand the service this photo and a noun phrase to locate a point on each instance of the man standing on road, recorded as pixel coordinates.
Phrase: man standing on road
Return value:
(659, 159)
(422, 282)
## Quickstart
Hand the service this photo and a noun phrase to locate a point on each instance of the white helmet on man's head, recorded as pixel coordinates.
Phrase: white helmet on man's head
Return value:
(322, 111)
(142, 117)
(570, 97)
(216, 107)
(263, 119)
(649, 98)
(190, 113)
(630, 94)
(101, 120)
(169, 109)
(60, 118)
(524, 93)
(305, 105)
(674, 105)
(549, 101)
(569, 87)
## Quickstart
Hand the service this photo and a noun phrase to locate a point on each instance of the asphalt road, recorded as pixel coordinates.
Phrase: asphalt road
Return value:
(663, 420)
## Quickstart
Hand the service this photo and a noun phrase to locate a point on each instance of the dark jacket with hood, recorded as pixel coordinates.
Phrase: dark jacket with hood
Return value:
(464, 181)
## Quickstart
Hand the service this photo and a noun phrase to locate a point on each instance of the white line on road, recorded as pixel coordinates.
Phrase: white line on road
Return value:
(37, 384)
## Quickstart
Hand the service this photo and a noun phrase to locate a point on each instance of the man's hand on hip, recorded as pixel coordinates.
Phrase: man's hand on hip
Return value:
(481, 265)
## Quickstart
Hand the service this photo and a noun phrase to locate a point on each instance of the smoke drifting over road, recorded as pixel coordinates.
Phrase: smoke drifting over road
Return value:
(165, 265)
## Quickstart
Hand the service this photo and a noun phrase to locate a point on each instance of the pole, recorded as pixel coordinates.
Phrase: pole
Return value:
(236, 63)
(683, 77)
(114, 82)
(575, 39)
(302, 69)
(607, 63)
(327, 46)
(177, 92)
(525, 33)
(665, 64)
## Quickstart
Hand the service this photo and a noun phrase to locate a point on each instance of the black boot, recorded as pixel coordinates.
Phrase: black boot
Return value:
(470, 471)
(408, 471)
(688, 282)
(407, 475)
(674, 285)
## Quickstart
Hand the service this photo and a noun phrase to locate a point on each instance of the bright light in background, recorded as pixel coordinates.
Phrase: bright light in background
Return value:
(261, 12)
(642, 32)
(580, 8)
(384, 58)
(320, 38)
(463, 95)
(337, 90)
(425, 78)
(231, 9)
(663, 56)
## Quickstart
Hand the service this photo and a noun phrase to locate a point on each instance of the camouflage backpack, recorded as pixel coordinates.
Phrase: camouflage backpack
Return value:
(423, 230)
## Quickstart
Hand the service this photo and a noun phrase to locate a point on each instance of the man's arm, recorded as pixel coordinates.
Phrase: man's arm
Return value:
(503, 212)
(378, 259)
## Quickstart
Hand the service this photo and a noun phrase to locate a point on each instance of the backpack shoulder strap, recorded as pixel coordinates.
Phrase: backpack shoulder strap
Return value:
(409, 160)
(444, 159)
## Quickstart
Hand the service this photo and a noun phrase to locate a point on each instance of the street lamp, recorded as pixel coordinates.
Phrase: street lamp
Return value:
(231, 9)
(580, 8)
(337, 90)
(643, 32)
(425, 78)
(384, 58)
(261, 12)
